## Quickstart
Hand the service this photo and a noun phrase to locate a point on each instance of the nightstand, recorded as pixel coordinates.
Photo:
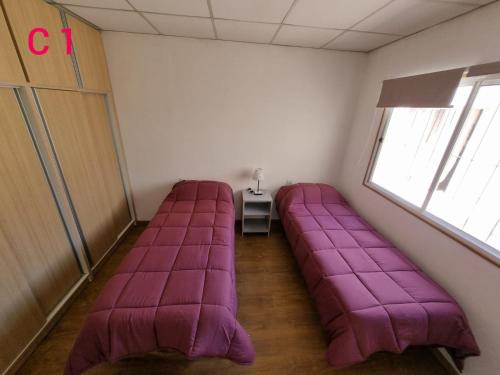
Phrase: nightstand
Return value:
(256, 213)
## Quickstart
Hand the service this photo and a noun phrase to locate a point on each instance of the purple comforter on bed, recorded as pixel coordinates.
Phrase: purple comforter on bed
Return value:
(370, 297)
(175, 289)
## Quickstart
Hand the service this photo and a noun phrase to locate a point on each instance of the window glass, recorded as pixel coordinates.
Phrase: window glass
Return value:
(468, 192)
(412, 148)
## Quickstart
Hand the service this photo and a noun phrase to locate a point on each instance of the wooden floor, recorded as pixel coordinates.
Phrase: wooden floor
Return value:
(274, 307)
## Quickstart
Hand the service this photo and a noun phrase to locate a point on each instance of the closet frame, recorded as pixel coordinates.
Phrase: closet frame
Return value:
(39, 134)
(24, 100)
(43, 146)
(47, 153)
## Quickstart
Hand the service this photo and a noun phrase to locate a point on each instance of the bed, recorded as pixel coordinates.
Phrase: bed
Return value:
(370, 297)
(175, 290)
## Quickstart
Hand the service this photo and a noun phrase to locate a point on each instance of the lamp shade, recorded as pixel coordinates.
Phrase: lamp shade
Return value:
(258, 174)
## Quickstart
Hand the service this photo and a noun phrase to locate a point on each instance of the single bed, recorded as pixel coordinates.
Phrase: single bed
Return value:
(175, 290)
(370, 297)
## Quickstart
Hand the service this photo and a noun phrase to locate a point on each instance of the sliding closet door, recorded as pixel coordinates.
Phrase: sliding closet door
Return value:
(84, 146)
(10, 67)
(29, 218)
(90, 54)
(53, 68)
(20, 314)
(96, 109)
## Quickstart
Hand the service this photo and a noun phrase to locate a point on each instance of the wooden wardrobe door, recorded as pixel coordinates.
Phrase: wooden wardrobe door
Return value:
(90, 55)
(54, 68)
(10, 67)
(29, 216)
(103, 141)
(85, 150)
(20, 314)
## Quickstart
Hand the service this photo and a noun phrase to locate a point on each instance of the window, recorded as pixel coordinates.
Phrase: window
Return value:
(444, 163)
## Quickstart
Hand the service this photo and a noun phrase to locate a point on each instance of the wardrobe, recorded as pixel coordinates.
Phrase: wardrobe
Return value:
(65, 201)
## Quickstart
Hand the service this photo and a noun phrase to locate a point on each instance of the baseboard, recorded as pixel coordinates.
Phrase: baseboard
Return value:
(445, 362)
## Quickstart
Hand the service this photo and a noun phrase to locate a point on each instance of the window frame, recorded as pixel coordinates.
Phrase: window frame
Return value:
(479, 247)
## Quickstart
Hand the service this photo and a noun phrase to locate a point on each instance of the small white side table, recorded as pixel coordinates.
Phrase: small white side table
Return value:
(256, 213)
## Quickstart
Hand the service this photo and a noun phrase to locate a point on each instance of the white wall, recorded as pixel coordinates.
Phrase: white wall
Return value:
(473, 281)
(204, 109)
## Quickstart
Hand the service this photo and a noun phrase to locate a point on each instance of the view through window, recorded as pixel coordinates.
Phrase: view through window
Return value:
(445, 162)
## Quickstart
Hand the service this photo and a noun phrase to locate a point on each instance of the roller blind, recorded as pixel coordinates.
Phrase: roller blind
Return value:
(484, 69)
(432, 90)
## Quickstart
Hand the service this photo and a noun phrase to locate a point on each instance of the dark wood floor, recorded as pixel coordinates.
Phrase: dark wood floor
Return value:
(274, 307)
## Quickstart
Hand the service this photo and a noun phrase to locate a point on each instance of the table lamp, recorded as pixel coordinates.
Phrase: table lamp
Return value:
(258, 176)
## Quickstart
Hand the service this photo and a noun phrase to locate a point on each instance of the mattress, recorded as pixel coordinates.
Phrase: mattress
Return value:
(175, 290)
(369, 295)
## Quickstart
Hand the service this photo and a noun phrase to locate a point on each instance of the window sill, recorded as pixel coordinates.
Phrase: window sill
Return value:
(480, 248)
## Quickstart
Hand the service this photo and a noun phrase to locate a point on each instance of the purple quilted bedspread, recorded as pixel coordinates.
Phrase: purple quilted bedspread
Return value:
(175, 290)
(369, 296)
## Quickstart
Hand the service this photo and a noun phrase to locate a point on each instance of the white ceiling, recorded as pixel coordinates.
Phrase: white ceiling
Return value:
(349, 25)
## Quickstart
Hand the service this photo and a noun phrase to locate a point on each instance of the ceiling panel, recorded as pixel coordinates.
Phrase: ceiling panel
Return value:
(337, 14)
(254, 10)
(245, 31)
(357, 25)
(116, 20)
(181, 7)
(302, 36)
(404, 17)
(359, 41)
(111, 4)
(182, 26)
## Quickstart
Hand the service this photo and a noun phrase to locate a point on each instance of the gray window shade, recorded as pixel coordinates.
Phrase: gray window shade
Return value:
(433, 90)
(484, 69)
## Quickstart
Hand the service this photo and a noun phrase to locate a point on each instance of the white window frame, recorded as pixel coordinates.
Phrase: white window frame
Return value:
(480, 247)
